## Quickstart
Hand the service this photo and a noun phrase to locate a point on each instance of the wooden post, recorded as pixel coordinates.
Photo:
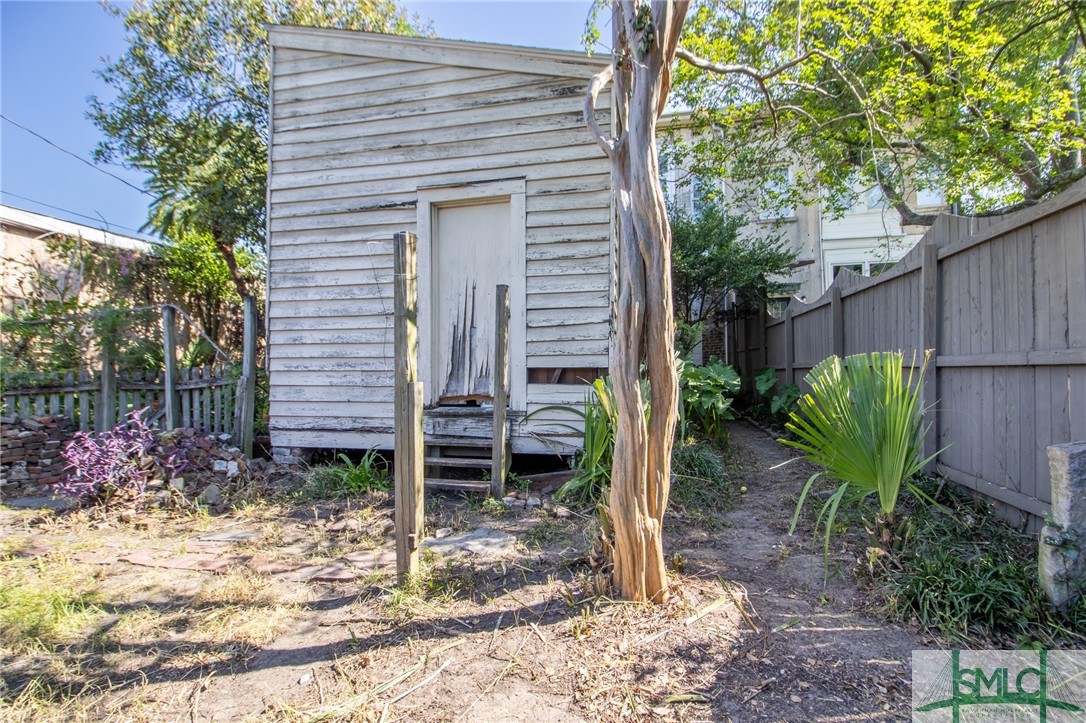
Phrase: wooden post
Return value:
(930, 299)
(410, 501)
(763, 337)
(837, 320)
(172, 416)
(499, 459)
(789, 346)
(105, 416)
(245, 406)
(408, 403)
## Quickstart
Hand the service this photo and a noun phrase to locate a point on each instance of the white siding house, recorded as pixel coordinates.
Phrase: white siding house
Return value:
(480, 150)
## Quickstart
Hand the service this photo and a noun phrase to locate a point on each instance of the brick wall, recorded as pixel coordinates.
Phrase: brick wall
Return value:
(30, 454)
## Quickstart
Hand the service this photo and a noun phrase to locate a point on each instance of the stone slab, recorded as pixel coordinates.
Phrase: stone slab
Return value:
(484, 542)
(43, 503)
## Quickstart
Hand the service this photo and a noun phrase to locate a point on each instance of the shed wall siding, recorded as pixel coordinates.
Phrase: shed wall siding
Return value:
(354, 139)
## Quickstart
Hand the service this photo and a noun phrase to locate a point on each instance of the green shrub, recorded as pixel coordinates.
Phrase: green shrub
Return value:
(774, 408)
(593, 462)
(707, 395)
(864, 424)
(701, 488)
(973, 579)
(348, 479)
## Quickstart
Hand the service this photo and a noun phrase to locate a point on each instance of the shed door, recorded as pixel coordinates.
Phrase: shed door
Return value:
(471, 255)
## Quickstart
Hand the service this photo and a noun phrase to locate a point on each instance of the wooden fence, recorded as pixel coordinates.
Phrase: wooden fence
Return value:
(206, 397)
(1002, 302)
(209, 398)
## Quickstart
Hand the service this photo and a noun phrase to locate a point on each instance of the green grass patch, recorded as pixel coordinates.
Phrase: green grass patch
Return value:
(701, 490)
(45, 602)
(347, 478)
(971, 578)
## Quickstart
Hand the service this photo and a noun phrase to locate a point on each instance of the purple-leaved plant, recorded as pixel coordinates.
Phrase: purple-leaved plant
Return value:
(117, 463)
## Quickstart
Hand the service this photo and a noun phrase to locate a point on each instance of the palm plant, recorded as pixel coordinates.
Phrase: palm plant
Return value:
(863, 422)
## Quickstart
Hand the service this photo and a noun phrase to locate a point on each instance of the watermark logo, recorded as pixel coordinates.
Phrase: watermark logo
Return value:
(999, 685)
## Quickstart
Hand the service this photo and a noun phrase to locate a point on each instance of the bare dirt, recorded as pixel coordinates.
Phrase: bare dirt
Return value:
(752, 632)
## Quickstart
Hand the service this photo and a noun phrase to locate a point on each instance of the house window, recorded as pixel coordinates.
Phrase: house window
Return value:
(864, 268)
(854, 268)
(929, 197)
(775, 199)
(876, 199)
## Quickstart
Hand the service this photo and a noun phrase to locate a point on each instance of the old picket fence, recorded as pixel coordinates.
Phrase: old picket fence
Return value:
(1002, 302)
(206, 395)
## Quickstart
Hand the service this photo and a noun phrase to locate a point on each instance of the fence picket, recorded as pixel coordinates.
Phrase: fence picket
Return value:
(69, 397)
(85, 397)
(205, 404)
(206, 395)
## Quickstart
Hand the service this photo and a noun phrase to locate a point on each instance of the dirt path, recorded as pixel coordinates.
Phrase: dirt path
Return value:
(751, 632)
(821, 659)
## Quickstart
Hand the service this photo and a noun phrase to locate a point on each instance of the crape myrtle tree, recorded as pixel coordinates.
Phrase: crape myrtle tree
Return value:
(190, 107)
(645, 46)
(976, 99)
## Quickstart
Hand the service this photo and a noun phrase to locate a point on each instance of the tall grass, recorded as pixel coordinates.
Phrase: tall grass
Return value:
(593, 462)
(348, 479)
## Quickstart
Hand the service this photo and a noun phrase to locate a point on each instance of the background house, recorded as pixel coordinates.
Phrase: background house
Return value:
(24, 252)
(866, 238)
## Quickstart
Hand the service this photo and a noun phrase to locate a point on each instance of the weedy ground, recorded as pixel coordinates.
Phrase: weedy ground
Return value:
(91, 628)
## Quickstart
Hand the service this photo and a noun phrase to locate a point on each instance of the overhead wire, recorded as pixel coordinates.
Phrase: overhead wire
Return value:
(109, 225)
(76, 156)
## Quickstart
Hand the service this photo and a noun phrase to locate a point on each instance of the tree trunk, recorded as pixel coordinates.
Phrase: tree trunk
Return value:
(645, 40)
(240, 282)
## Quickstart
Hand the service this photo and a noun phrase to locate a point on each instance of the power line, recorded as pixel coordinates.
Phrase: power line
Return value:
(109, 226)
(75, 155)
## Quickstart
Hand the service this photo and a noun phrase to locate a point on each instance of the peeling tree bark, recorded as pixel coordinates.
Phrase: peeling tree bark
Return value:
(646, 37)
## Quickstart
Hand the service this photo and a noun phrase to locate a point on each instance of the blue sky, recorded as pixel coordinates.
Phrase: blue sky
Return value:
(49, 52)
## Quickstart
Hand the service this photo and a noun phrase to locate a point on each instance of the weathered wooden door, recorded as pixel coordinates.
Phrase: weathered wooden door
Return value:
(471, 255)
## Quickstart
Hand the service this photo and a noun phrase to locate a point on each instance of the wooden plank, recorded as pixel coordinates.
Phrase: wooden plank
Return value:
(431, 50)
(186, 401)
(69, 398)
(408, 483)
(106, 412)
(500, 441)
(837, 321)
(85, 398)
(456, 485)
(930, 313)
(170, 378)
(1049, 357)
(205, 397)
(245, 396)
(789, 346)
(408, 405)
(1075, 268)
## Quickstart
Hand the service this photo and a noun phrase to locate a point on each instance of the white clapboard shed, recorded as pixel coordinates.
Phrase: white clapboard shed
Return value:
(482, 152)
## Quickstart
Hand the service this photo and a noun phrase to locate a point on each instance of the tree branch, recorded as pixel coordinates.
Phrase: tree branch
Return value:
(740, 69)
(599, 80)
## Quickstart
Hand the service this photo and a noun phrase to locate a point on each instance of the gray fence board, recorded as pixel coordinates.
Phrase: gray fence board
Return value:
(1009, 311)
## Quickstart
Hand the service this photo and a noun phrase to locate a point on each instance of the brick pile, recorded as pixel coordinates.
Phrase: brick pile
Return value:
(30, 454)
